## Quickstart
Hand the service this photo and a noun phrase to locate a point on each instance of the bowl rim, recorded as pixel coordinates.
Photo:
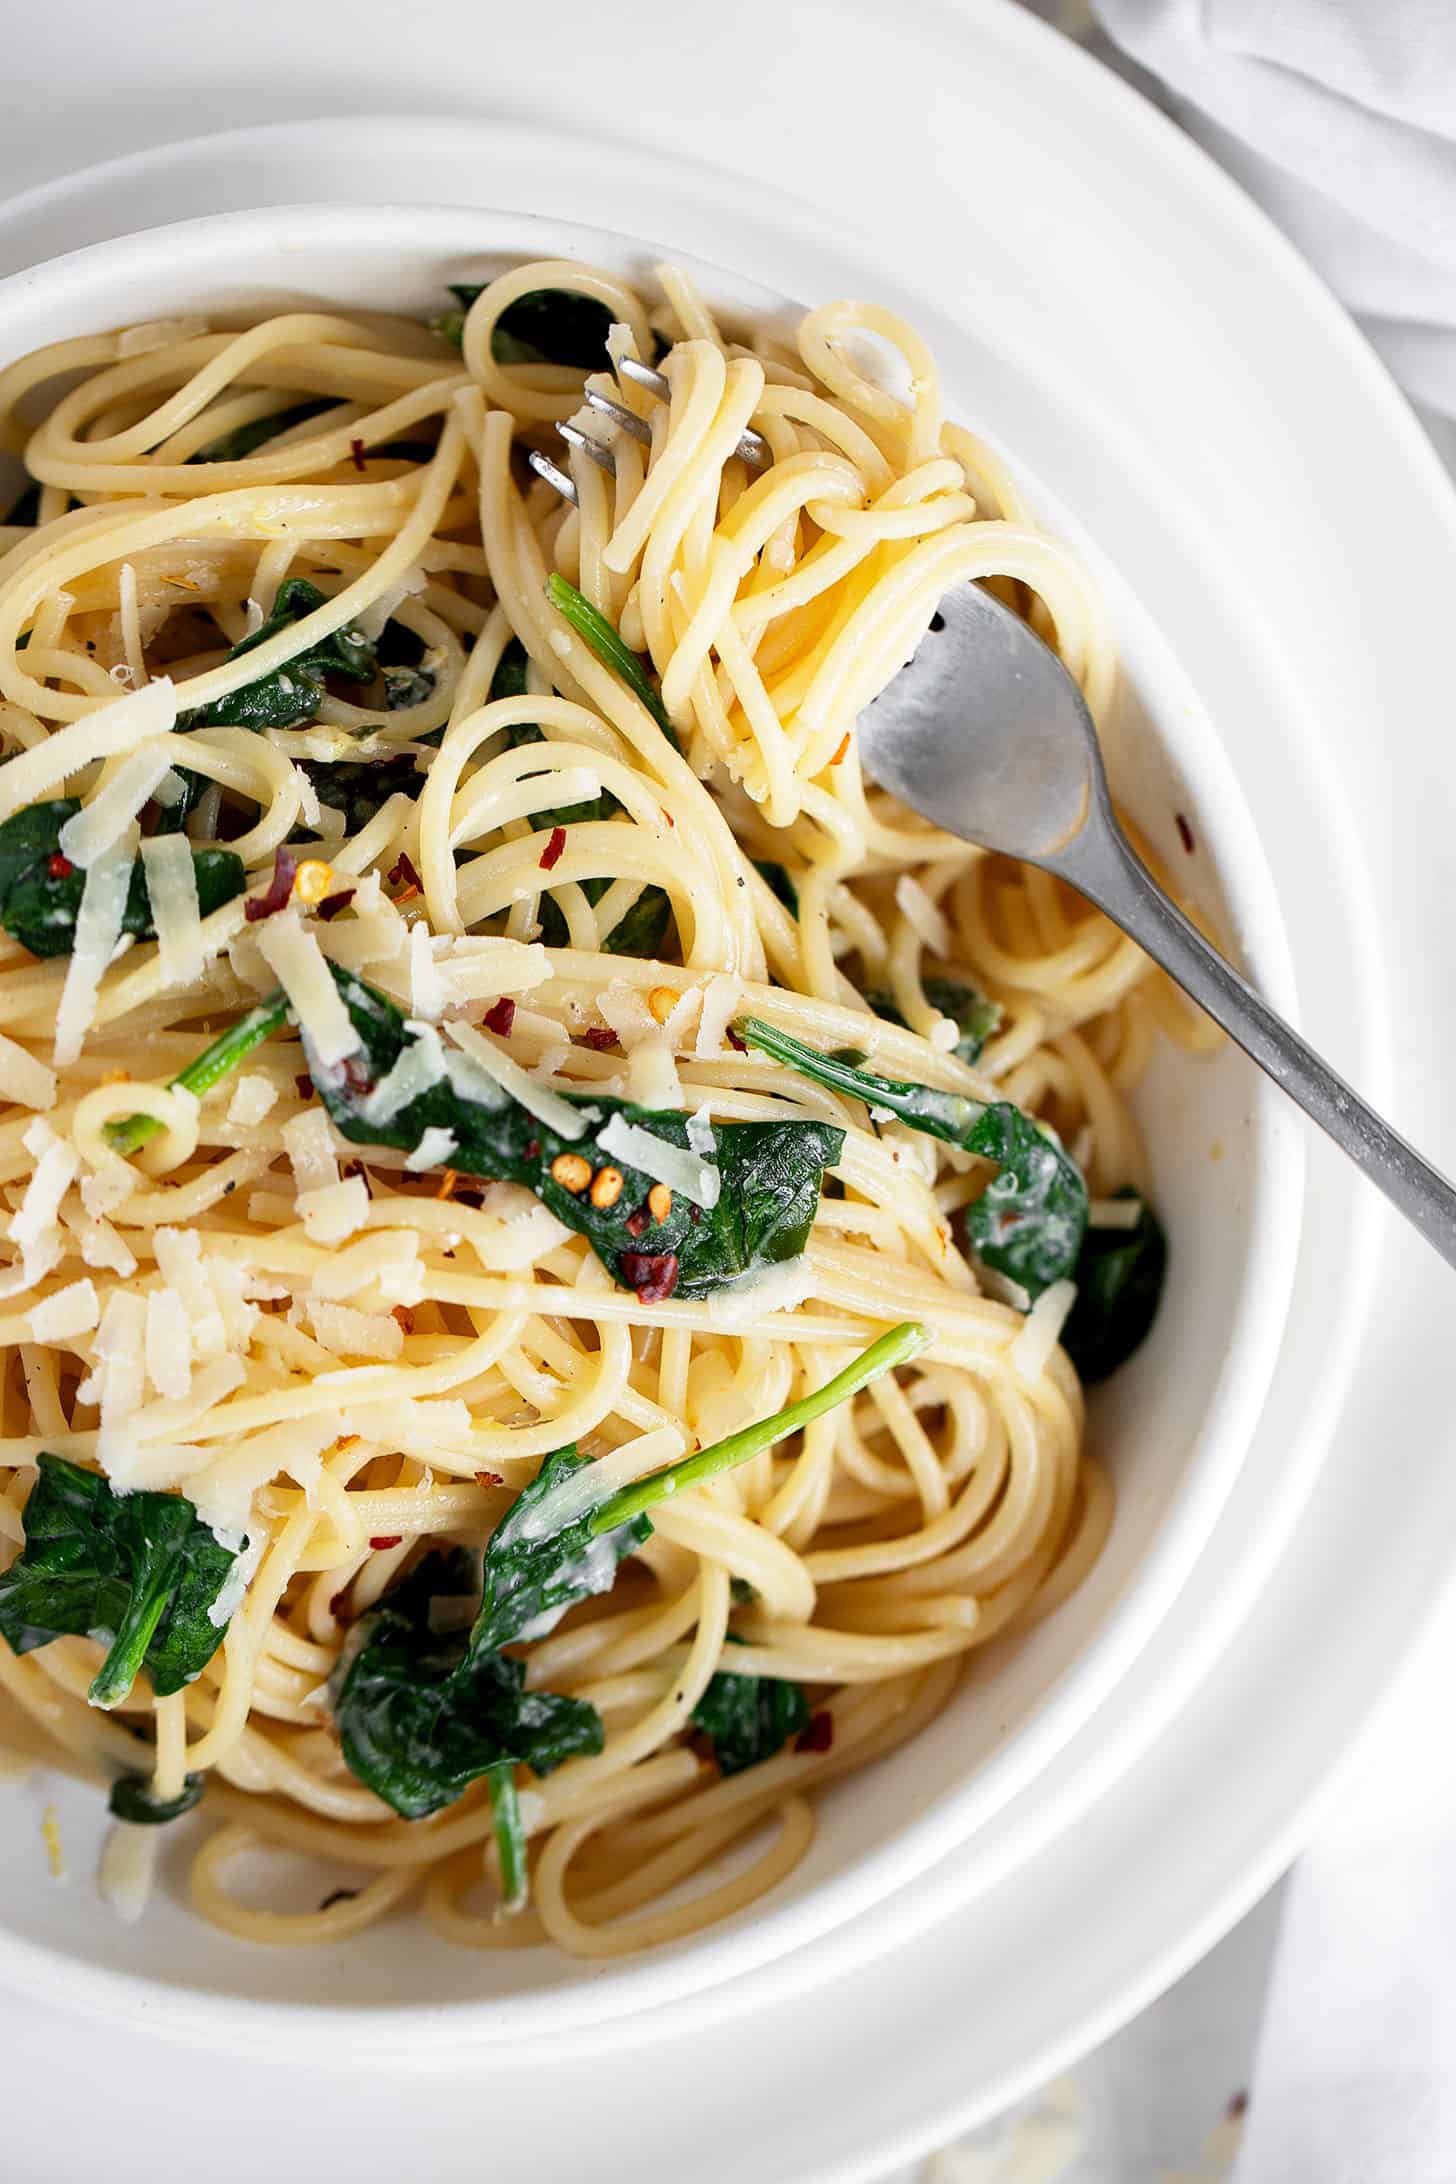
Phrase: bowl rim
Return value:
(263, 246)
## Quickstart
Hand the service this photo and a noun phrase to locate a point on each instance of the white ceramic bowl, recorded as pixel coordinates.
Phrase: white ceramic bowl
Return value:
(1228, 1167)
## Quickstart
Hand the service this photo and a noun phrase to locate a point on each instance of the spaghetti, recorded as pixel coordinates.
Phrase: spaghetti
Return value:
(355, 873)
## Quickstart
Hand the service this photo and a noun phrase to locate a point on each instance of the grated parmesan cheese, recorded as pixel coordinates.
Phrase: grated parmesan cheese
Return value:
(91, 831)
(334, 1212)
(168, 1344)
(436, 1149)
(538, 1099)
(98, 929)
(1030, 1353)
(375, 1335)
(292, 952)
(176, 912)
(682, 1171)
(749, 1296)
(917, 909)
(427, 988)
(54, 1173)
(255, 1097)
(419, 1066)
(24, 1078)
(179, 1261)
(108, 1186)
(119, 1348)
(101, 1245)
(105, 733)
(73, 1310)
(309, 1144)
(652, 1078)
(229, 1596)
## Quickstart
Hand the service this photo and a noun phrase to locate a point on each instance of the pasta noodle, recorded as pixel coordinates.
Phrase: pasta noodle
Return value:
(341, 1353)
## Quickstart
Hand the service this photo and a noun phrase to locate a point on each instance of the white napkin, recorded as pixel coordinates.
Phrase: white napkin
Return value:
(1355, 2080)
(1339, 116)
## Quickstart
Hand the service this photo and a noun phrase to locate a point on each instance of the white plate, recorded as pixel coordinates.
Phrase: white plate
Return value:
(1188, 323)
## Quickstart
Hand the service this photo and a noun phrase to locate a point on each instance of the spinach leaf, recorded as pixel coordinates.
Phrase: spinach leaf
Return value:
(357, 786)
(406, 687)
(976, 1019)
(292, 692)
(771, 1171)
(747, 1719)
(132, 1799)
(546, 326)
(510, 1835)
(1029, 1222)
(245, 440)
(1119, 1287)
(640, 931)
(780, 884)
(531, 1580)
(136, 1572)
(422, 1714)
(40, 889)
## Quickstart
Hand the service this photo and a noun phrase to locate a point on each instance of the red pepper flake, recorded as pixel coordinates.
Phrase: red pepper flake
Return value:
(403, 1317)
(653, 1274)
(331, 905)
(598, 1037)
(844, 746)
(59, 867)
(489, 1478)
(551, 854)
(356, 1076)
(818, 1736)
(500, 1016)
(403, 874)
(739, 1046)
(339, 1606)
(386, 1539)
(667, 815)
(637, 1222)
(695, 1212)
(356, 449)
(279, 889)
(533, 1148)
(1185, 832)
(303, 1086)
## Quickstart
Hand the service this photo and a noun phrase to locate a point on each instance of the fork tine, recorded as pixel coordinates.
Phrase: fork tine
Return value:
(592, 449)
(644, 374)
(636, 428)
(556, 479)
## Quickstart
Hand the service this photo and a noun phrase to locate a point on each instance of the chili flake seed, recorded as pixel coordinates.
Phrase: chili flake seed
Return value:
(661, 1001)
(448, 1182)
(386, 1539)
(659, 1201)
(313, 880)
(843, 748)
(571, 1171)
(500, 1016)
(606, 1187)
(551, 854)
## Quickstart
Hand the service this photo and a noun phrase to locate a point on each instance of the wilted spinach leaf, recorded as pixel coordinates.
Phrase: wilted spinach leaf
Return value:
(422, 1714)
(1119, 1278)
(976, 1019)
(245, 440)
(40, 889)
(546, 326)
(1029, 1222)
(531, 1578)
(771, 1171)
(136, 1572)
(747, 1719)
(292, 692)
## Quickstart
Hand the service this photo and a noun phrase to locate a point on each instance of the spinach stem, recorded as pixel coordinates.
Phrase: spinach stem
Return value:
(510, 1834)
(118, 1672)
(607, 644)
(895, 1348)
(210, 1067)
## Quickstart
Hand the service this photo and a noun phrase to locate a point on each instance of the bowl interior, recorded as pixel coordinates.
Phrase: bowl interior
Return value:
(1172, 1427)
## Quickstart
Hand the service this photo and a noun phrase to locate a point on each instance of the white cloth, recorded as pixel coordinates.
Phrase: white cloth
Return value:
(1355, 2079)
(1339, 116)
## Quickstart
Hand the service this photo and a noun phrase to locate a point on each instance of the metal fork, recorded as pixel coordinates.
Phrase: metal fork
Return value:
(753, 448)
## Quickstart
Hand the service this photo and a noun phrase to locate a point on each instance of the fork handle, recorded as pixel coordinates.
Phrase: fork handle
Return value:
(1101, 864)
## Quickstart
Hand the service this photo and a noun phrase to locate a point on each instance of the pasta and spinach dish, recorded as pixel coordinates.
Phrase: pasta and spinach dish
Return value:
(551, 1235)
